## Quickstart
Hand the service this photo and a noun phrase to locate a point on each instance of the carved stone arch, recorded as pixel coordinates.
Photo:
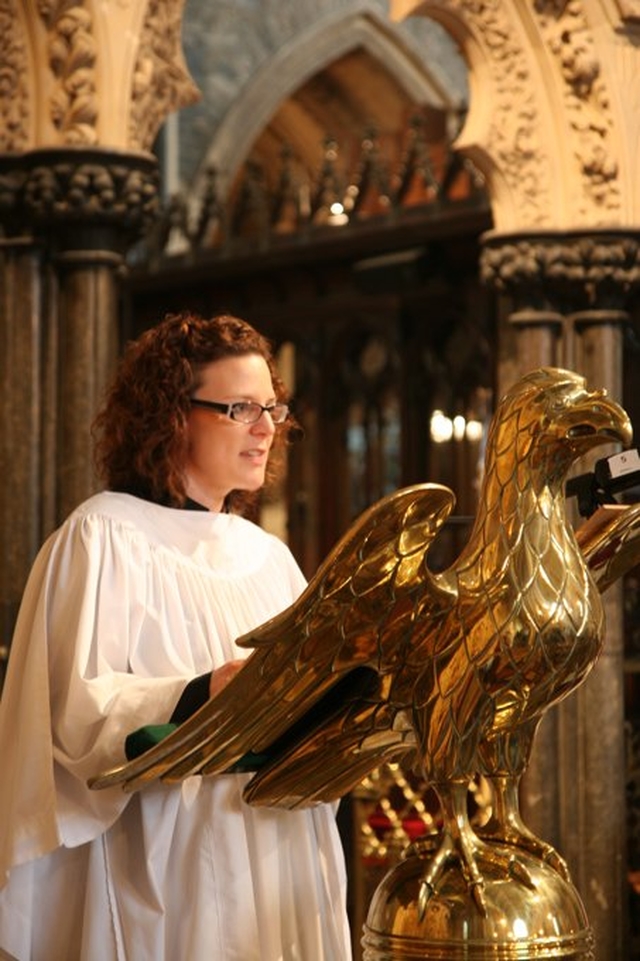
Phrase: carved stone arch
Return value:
(16, 116)
(544, 124)
(505, 106)
(81, 74)
(294, 64)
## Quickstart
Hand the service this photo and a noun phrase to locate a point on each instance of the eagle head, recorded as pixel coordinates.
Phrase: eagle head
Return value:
(549, 419)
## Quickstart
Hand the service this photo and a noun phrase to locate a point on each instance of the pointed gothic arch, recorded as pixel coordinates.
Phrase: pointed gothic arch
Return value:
(293, 65)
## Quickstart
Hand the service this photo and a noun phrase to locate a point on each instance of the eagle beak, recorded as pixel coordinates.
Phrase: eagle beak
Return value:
(598, 418)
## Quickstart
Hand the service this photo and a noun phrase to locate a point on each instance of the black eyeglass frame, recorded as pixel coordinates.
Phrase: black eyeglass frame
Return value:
(230, 409)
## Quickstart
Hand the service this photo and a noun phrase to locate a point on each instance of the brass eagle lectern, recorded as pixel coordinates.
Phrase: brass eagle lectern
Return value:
(450, 672)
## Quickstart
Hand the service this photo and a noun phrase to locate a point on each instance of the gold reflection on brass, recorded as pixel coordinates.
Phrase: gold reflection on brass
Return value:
(382, 659)
(610, 542)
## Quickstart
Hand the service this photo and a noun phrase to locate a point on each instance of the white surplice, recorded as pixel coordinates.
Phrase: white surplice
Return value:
(126, 603)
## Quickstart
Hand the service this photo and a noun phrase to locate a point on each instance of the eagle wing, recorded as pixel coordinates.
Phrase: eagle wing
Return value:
(316, 664)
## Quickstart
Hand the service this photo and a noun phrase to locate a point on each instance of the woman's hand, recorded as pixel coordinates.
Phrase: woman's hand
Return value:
(222, 675)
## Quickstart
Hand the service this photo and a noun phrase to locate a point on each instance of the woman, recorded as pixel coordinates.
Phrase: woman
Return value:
(128, 620)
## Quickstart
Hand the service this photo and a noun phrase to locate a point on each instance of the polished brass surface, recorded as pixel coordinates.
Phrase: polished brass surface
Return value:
(381, 659)
(610, 542)
(543, 919)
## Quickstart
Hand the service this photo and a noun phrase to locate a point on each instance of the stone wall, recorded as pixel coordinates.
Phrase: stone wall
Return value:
(227, 43)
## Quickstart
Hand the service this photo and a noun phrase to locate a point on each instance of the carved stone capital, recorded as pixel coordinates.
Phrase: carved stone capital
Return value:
(79, 199)
(565, 272)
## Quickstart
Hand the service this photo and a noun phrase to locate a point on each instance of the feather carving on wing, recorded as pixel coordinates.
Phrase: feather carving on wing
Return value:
(383, 658)
(341, 641)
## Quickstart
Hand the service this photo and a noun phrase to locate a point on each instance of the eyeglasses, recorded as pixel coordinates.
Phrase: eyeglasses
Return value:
(245, 411)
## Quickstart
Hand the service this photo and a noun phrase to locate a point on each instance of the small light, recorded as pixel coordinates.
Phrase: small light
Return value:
(474, 430)
(337, 214)
(520, 928)
(459, 424)
(441, 427)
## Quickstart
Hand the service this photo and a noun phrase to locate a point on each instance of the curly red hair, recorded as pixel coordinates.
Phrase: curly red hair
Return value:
(141, 430)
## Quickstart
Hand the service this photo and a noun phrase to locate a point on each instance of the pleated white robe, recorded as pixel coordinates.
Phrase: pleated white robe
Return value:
(125, 604)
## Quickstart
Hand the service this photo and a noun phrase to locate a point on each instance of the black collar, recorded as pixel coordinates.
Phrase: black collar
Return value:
(191, 505)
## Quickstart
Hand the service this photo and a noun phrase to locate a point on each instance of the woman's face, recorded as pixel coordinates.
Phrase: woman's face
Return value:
(223, 454)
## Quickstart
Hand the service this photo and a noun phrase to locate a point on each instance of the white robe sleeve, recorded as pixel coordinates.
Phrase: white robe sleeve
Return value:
(70, 698)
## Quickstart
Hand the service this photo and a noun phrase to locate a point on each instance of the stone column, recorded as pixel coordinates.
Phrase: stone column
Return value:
(569, 291)
(59, 324)
(20, 407)
(593, 809)
(86, 86)
(87, 206)
(88, 346)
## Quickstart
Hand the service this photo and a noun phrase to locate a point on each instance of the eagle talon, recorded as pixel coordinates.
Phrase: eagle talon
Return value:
(440, 854)
(477, 893)
(424, 896)
(423, 846)
(519, 873)
(507, 827)
(557, 862)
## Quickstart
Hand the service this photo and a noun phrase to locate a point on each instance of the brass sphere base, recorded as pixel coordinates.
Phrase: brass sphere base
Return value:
(546, 921)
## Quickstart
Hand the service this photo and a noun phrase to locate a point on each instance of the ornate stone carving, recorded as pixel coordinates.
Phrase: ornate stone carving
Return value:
(502, 132)
(111, 194)
(567, 36)
(71, 50)
(14, 97)
(554, 97)
(161, 83)
(563, 271)
(11, 182)
(81, 73)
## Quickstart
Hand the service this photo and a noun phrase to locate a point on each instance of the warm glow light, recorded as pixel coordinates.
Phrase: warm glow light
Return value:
(441, 427)
(458, 426)
(337, 214)
(520, 928)
(474, 430)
